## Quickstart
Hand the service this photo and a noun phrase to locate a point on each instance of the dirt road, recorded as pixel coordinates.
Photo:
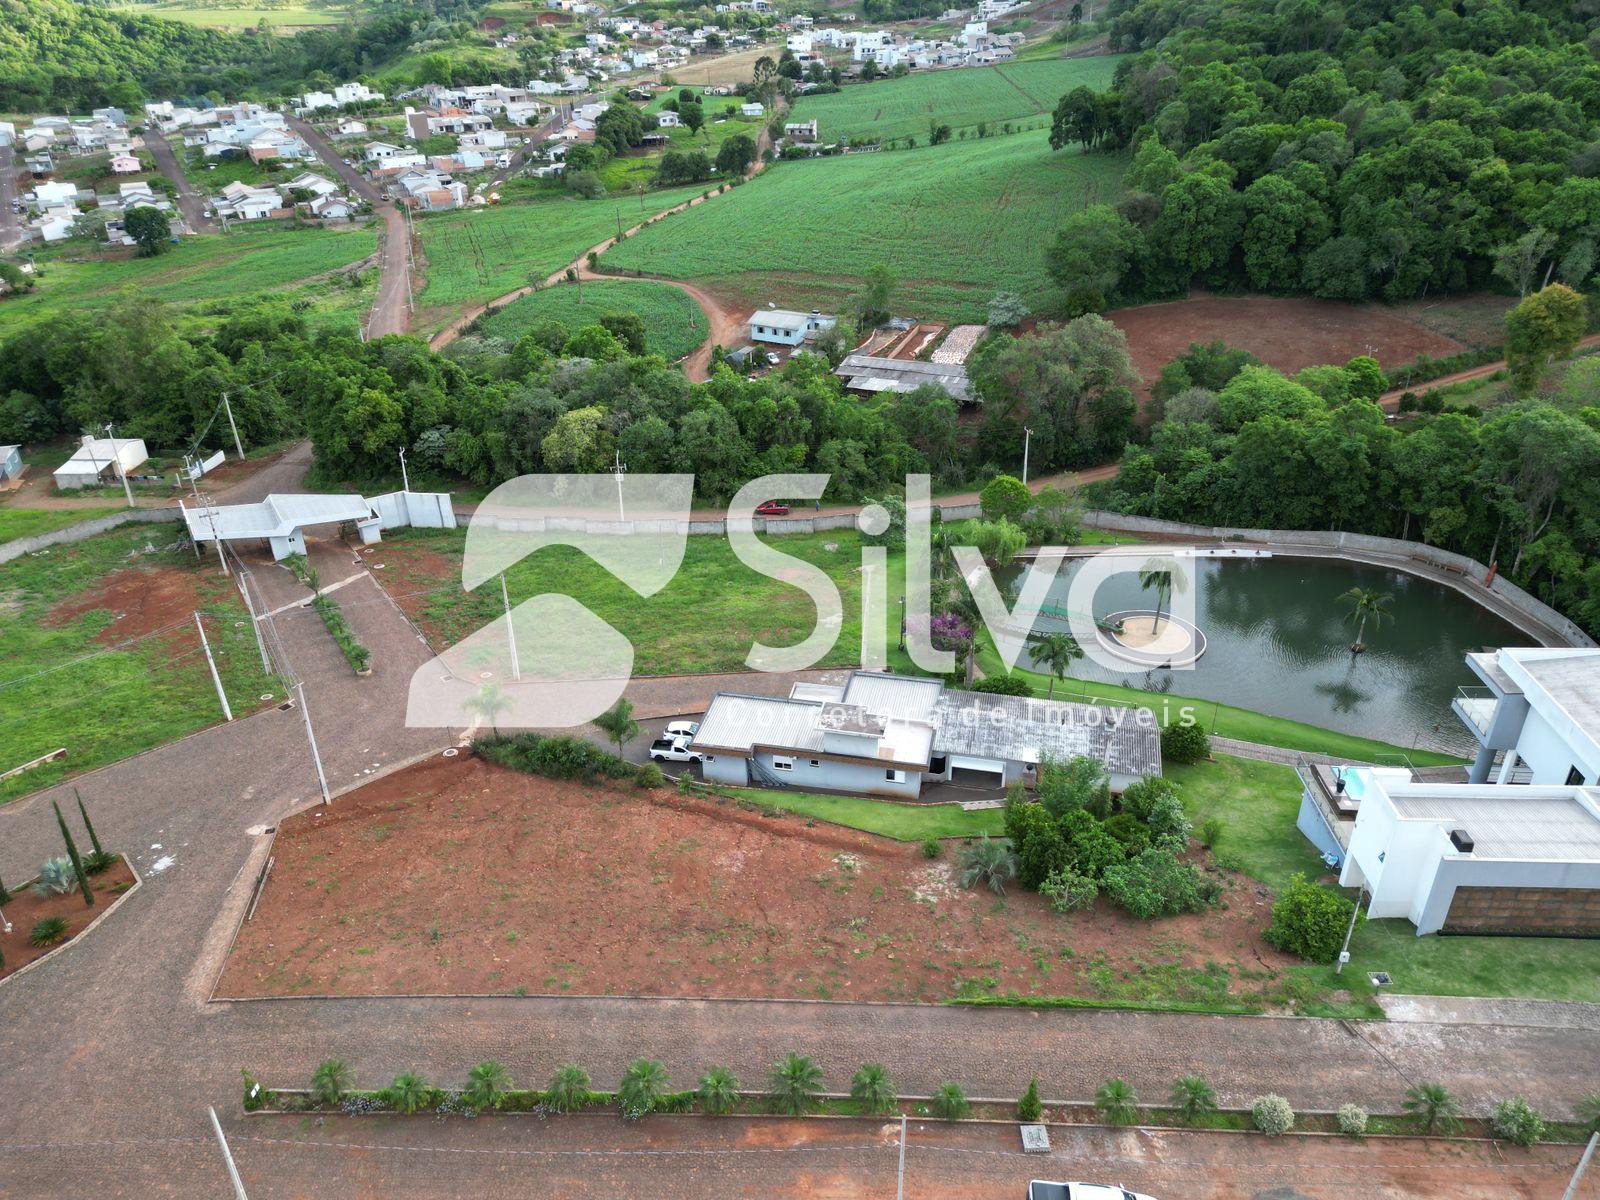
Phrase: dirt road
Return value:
(190, 202)
(1390, 400)
(391, 311)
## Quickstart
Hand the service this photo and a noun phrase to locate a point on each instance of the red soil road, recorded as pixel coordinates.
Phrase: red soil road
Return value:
(1284, 333)
(464, 877)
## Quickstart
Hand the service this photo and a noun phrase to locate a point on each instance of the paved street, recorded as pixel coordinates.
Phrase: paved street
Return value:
(10, 220)
(190, 202)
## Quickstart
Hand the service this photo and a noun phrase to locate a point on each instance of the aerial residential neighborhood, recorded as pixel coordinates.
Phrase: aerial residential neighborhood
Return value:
(773, 599)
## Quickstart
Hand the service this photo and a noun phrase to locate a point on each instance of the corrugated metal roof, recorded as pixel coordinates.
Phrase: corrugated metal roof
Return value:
(903, 696)
(1017, 728)
(738, 722)
(1516, 826)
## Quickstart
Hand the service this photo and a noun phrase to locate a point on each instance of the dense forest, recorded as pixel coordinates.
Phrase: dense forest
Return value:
(1366, 149)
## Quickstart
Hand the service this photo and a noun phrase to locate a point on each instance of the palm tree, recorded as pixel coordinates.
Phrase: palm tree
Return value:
(618, 724)
(988, 862)
(1057, 652)
(1434, 1108)
(1116, 1102)
(718, 1092)
(1588, 1110)
(1158, 574)
(950, 1102)
(569, 1088)
(408, 1092)
(487, 1085)
(1365, 605)
(1193, 1097)
(489, 701)
(873, 1089)
(794, 1083)
(330, 1081)
(642, 1086)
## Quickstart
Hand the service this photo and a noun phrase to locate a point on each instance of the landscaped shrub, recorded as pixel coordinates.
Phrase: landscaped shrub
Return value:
(650, 776)
(255, 1096)
(569, 1088)
(1515, 1120)
(1210, 832)
(1005, 497)
(330, 1081)
(718, 1092)
(72, 857)
(47, 931)
(487, 1085)
(989, 863)
(642, 1086)
(357, 655)
(1184, 745)
(872, 1088)
(1434, 1108)
(1156, 884)
(1588, 1110)
(950, 1102)
(1169, 825)
(1309, 920)
(1003, 685)
(794, 1085)
(1352, 1120)
(558, 757)
(1130, 831)
(98, 859)
(932, 847)
(1029, 1108)
(56, 877)
(409, 1093)
(1116, 1102)
(1272, 1115)
(1141, 795)
(1069, 891)
(1193, 1097)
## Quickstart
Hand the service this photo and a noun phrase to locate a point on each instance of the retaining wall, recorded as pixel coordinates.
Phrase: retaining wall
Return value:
(84, 529)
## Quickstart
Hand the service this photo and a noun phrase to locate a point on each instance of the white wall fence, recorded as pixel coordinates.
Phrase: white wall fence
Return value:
(424, 510)
(83, 529)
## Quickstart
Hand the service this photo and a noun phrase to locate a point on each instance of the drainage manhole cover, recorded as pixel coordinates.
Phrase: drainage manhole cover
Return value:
(451, 752)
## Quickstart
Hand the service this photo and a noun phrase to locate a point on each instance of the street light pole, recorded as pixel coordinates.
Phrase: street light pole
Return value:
(405, 478)
(618, 472)
(116, 459)
(1344, 950)
(1027, 441)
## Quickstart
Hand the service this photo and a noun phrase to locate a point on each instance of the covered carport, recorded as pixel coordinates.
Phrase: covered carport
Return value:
(281, 520)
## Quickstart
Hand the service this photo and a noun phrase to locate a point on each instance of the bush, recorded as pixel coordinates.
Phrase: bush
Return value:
(795, 1084)
(408, 1093)
(56, 877)
(330, 1081)
(98, 860)
(1155, 884)
(950, 1102)
(641, 1089)
(1272, 1115)
(872, 1088)
(1116, 1102)
(650, 776)
(932, 847)
(1515, 1120)
(1003, 685)
(718, 1092)
(1141, 796)
(1352, 1120)
(1029, 1108)
(1069, 891)
(1169, 824)
(357, 655)
(47, 931)
(1210, 832)
(1185, 744)
(1309, 920)
(558, 757)
(255, 1096)
(1193, 1097)
(569, 1088)
(1005, 497)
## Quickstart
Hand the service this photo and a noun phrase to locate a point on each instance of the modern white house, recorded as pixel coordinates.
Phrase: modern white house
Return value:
(97, 459)
(887, 735)
(1475, 858)
(783, 327)
(1536, 719)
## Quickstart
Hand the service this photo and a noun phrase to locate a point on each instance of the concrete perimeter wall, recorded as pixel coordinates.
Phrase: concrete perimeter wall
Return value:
(84, 529)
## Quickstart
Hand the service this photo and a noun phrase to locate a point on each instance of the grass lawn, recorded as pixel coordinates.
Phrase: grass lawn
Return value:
(673, 322)
(903, 822)
(632, 171)
(71, 676)
(215, 16)
(1258, 802)
(956, 223)
(235, 268)
(895, 108)
(28, 522)
(473, 255)
(1224, 720)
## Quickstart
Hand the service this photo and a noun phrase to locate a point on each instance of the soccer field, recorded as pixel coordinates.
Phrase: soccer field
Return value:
(893, 108)
(956, 223)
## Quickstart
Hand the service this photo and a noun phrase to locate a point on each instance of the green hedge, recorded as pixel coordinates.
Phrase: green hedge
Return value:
(559, 757)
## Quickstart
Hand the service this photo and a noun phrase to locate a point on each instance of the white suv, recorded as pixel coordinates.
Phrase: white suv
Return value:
(1041, 1189)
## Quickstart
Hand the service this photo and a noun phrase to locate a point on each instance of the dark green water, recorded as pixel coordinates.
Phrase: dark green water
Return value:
(1278, 643)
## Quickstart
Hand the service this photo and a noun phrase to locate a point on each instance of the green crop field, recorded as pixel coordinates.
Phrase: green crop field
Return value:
(896, 108)
(474, 255)
(77, 678)
(214, 16)
(673, 322)
(956, 222)
(236, 267)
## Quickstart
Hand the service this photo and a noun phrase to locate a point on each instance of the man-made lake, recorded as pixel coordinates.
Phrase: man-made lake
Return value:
(1278, 643)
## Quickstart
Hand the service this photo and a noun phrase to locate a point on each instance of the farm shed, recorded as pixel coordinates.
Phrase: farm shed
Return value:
(99, 458)
(870, 375)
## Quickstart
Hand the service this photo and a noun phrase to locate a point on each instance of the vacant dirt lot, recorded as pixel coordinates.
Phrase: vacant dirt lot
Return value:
(1284, 333)
(140, 600)
(460, 876)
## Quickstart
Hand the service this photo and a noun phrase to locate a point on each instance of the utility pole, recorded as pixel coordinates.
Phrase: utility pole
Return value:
(210, 662)
(237, 444)
(243, 581)
(618, 472)
(1583, 1165)
(900, 1183)
(322, 780)
(405, 479)
(227, 1157)
(1027, 441)
(511, 630)
(116, 460)
(1344, 950)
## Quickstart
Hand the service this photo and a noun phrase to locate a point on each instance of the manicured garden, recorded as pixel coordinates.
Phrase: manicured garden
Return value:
(674, 325)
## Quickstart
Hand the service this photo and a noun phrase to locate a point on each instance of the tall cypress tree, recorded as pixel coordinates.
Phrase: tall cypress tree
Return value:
(72, 853)
(86, 824)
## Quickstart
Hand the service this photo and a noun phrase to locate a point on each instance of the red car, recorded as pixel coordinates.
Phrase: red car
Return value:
(772, 508)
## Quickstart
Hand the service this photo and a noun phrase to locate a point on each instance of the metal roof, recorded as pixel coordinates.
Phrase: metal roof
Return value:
(1025, 729)
(276, 516)
(867, 372)
(904, 696)
(1514, 825)
(738, 722)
